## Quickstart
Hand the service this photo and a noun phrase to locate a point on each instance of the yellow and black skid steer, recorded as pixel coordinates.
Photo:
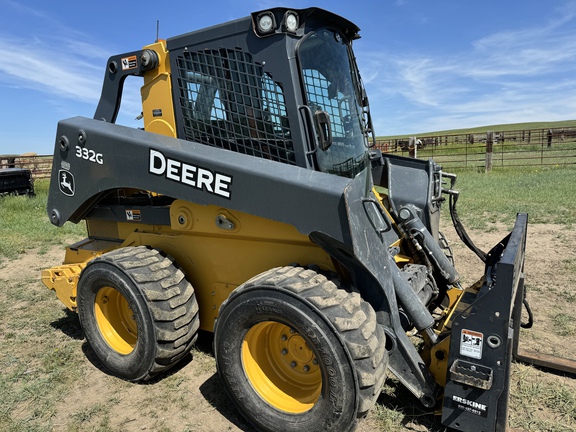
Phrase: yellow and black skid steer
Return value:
(254, 206)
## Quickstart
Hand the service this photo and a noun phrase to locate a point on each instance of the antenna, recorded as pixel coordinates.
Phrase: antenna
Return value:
(157, 29)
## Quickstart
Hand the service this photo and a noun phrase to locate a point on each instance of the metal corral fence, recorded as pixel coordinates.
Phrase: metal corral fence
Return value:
(551, 147)
(40, 166)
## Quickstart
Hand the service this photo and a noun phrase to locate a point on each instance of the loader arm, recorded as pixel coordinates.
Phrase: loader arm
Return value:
(186, 170)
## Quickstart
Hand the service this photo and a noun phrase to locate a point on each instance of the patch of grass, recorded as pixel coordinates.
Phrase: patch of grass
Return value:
(570, 264)
(397, 409)
(564, 324)
(38, 364)
(388, 417)
(30, 387)
(530, 393)
(93, 422)
(24, 224)
(545, 194)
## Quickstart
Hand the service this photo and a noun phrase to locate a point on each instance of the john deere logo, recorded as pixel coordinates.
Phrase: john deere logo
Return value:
(66, 182)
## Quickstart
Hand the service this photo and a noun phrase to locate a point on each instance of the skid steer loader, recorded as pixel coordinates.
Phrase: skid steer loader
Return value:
(254, 206)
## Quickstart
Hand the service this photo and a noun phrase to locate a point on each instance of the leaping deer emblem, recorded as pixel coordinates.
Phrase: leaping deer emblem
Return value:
(66, 185)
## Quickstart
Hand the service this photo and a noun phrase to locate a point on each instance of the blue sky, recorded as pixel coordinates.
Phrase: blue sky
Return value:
(427, 65)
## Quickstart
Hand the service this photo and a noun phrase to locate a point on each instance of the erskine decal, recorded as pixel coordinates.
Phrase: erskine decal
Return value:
(190, 175)
(470, 406)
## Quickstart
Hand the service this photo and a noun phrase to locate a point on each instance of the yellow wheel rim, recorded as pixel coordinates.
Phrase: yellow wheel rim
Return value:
(115, 320)
(281, 367)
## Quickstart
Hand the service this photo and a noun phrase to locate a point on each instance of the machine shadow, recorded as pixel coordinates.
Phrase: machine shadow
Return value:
(397, 399)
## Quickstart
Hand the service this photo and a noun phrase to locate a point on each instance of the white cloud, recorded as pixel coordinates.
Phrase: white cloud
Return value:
(64, 69)
(515, 75)
(57, 60)
(41, 67)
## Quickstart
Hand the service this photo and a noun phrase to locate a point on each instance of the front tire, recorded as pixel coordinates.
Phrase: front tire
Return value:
(138, 312)
(297, 353)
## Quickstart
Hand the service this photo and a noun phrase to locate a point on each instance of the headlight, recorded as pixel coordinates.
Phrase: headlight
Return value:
(291, 21)
(266, 22)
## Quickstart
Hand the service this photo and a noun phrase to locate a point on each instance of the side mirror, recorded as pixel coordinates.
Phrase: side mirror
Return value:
(322, 121)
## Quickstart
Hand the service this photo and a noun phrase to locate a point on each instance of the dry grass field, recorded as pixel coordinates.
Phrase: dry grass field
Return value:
(50, 379)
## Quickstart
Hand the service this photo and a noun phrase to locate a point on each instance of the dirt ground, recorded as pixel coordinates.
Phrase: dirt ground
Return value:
(192, 398)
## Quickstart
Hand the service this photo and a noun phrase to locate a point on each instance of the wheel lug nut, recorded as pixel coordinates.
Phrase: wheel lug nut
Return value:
(315, 361)
(306, 368)
(284, 337)
(293, 364)
(284, 351)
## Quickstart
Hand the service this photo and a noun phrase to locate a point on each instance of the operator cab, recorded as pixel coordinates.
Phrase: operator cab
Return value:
(282, 85)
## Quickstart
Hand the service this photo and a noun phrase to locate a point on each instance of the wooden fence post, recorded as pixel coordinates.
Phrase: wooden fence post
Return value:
(412, 148)
(489, 144)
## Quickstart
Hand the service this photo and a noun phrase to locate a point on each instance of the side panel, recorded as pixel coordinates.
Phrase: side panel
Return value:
(217, 249)
(110, 156)
(216, 260)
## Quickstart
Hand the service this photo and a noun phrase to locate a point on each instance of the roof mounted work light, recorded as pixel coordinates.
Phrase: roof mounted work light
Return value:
(266, 22)
(291, 21)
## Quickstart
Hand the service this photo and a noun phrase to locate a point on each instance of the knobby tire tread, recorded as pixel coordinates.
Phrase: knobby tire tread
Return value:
(170, 298)
(353, 318)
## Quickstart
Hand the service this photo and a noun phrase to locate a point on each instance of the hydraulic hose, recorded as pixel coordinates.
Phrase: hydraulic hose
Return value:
(460, 228)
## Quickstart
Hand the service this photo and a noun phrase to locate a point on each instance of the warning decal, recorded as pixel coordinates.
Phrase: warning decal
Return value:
(133, 215)
(129, 63)
(471, 343)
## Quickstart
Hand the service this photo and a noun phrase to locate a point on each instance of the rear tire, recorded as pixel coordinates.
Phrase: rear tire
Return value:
(138, 312)
(296, 353)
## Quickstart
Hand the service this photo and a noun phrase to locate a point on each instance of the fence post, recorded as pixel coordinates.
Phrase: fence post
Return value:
(412, 148)
(489, 145)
